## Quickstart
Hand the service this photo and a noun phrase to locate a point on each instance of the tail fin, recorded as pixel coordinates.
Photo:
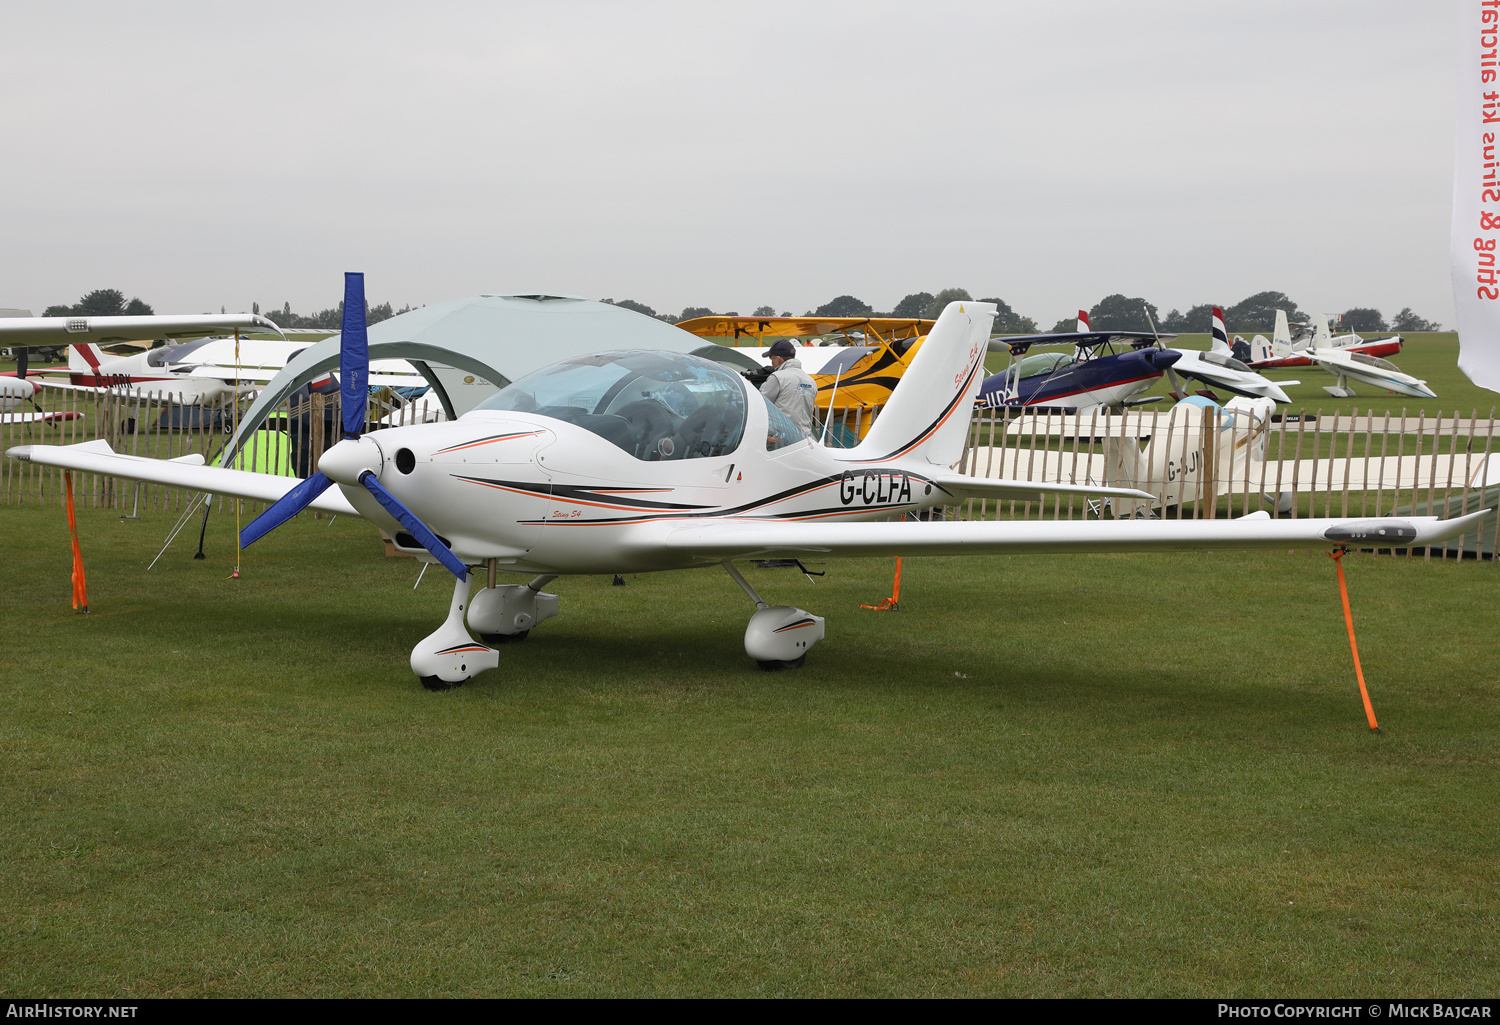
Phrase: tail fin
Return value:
(1221, 336)
(1083, 322)
(1261, 348)
(84, 357)
(928, 413)
(1322, 337)
(1281, 338)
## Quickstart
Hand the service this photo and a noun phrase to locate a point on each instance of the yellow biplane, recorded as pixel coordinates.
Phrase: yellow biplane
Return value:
(866, 357)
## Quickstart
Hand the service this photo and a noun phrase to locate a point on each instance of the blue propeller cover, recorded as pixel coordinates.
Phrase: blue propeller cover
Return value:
(284, 508)
(415, 527)
(354, 356)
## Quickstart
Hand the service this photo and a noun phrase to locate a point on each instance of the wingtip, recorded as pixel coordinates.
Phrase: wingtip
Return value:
(21, 452)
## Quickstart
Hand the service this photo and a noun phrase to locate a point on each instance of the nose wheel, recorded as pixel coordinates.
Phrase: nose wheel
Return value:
(448, 656)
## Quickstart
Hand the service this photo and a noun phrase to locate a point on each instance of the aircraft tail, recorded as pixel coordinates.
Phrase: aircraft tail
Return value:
(1322, 336)
(1261, 348)
(84, 358)
(928, 413)
(1221, 336)
(1083, 322)
(1281, 338)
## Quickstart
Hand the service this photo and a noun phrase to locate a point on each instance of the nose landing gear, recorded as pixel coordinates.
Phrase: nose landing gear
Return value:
(448, 656)
(779, 636)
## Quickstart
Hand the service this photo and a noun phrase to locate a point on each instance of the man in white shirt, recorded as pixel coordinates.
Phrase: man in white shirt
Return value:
(789, 388)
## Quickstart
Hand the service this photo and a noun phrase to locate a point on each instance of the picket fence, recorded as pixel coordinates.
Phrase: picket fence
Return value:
(1301, 463)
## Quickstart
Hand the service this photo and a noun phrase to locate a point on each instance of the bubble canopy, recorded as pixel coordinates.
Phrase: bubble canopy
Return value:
(654, 405)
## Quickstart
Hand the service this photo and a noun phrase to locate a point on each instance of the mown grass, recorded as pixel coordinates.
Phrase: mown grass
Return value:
(1128, 775)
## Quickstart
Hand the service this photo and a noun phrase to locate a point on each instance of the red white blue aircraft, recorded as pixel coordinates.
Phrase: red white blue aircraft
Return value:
(640, 461)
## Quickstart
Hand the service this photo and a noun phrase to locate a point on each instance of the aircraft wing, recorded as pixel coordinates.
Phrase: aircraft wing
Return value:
(963, 486)
(1087, 339)
(168, 388)
(183, 472)
(32, 418)
(788, 327)
(725, 539)
(102, 330)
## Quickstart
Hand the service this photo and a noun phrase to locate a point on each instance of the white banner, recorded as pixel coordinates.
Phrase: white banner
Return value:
(1476, 193)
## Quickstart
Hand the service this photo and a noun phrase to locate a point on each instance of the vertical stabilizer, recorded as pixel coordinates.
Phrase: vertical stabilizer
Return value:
(84, 359)
(1281, 338)
(1221, 336)
(1322, 337)
(1083, 322)
(928, 414)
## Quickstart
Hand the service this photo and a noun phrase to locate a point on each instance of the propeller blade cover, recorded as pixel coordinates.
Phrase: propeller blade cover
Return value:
(354, 356)
(415, 527)
(284, 508)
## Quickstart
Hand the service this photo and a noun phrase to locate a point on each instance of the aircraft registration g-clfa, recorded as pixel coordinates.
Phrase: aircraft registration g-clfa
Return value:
(640, 461)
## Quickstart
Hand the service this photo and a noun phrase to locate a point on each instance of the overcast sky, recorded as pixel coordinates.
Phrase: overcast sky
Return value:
(729, 155)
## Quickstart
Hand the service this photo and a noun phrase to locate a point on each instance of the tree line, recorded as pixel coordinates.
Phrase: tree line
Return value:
(1116, 312)
(1112, 313)
(1254, 313)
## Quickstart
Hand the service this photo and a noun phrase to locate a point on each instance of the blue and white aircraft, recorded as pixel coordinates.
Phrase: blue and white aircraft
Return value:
(1107, 368)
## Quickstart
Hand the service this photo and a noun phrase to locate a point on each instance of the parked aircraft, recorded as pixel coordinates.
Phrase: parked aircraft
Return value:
(16, 390)
(1284, 349)
(1371, 370)
(1347, 357)
(205, 369)
(1107, 369)
(638, 461)
(1218, 369)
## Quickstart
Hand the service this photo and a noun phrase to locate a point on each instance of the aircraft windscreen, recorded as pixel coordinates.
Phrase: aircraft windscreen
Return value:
(1218, 359)
(654, 405)
(1041, 363)
(844, 360)
(1373, 361)
(176, 353)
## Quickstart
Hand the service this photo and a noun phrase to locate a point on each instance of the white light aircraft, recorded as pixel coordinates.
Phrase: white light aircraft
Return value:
(206, 369)
(640, 461)
(1217, 368)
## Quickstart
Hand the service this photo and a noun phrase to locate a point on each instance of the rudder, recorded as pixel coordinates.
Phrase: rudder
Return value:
(928, 413)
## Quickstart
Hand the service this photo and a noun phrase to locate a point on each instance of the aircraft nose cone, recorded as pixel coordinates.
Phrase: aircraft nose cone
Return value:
(348, 459)
(1163, 358)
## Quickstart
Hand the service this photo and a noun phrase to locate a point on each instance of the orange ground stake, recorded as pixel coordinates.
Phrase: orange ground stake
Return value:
(80, 588)
(1337, 556)
(890, 604)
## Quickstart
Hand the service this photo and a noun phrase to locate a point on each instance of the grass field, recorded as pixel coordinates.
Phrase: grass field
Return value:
(1125, 775)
